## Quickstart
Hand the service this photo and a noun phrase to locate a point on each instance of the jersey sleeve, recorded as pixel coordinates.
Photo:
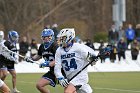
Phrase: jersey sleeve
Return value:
(58, 65)
(84, 50)
(7, 44)
(40, 50)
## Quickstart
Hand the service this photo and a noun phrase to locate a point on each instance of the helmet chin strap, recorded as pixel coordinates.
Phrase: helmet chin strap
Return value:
(47, 44)
(13, 42)
(67, 48)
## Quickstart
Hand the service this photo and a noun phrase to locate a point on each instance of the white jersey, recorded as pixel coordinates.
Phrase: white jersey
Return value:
(1, 45)
(4, 51)
(72, 61)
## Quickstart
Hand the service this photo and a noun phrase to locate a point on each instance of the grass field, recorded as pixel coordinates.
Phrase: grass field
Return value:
(124, 82)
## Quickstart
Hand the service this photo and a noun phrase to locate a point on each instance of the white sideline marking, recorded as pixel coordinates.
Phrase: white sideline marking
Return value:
(117, 89)
(113, 89)
(23, 82)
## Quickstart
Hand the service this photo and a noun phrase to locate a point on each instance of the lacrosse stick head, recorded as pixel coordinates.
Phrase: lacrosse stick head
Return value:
(13, 36)
(105, 52)
(66, 36)
(1, 36)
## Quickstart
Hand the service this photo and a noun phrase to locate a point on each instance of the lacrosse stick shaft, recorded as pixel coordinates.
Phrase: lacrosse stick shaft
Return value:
(79, 71)
(21, 56)
(24, 57)
(82, 69)
(4, 49)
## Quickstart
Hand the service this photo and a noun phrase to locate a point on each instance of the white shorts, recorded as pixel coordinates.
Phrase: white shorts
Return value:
(1, 83)
(85, 89)
(82, 80)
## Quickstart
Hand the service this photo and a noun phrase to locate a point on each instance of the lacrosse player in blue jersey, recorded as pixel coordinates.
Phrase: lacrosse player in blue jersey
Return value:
(46, 50)
(72, 57)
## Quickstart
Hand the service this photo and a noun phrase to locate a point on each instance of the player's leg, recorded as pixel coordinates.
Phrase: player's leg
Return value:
(12, 71)
(47, 79)
(70, 89)
(3, 87)
(3, 73)
(85, 89)
(80, 83)
(41, 85)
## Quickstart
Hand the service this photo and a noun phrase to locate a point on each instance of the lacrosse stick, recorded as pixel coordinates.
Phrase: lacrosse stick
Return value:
(10, 54)
(103, 53)
(31, 61)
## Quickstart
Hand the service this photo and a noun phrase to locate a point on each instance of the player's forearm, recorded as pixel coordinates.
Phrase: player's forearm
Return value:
(57, 71)
(52, 63)
(36, 58)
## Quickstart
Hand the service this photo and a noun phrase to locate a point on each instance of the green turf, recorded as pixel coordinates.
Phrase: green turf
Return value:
(124, 82)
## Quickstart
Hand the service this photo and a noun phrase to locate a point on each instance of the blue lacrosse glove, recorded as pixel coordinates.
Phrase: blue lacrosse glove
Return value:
(63, 82)
(44, 64)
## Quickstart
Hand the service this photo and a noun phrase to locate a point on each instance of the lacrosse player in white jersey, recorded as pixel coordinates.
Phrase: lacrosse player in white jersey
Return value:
(72, 57)
(3, 87)
(8, 58)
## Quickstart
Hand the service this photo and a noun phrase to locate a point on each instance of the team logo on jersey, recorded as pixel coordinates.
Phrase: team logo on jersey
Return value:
(68, 56)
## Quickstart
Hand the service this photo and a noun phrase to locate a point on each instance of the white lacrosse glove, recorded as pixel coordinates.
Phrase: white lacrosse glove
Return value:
(63, 82)
(8, 54)
(15, 59)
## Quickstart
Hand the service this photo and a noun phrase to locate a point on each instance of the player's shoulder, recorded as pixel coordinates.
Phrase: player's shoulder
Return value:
(2, 42)
(59, 49)
(82, 47)
(78, 45)
(6, 42)
(41, 45)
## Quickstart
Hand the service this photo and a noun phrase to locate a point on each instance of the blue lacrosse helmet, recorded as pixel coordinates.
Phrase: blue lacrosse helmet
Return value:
(13, 36)
(47, 33)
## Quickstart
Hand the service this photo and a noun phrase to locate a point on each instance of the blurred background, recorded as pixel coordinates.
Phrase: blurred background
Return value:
(98, 23)
(91, 18)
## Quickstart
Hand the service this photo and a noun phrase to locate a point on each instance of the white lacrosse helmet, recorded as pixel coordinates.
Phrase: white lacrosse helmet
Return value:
(1, 35)
(66, 36)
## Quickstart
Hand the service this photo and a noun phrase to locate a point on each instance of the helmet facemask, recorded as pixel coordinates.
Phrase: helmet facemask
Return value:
(47, 37)
(63, 41)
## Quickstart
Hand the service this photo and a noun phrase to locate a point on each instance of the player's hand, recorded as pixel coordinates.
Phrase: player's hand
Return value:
(91, 57)
(63, 82)
(28, 59)
(94, 60)
(16, 61)
(44, 64)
